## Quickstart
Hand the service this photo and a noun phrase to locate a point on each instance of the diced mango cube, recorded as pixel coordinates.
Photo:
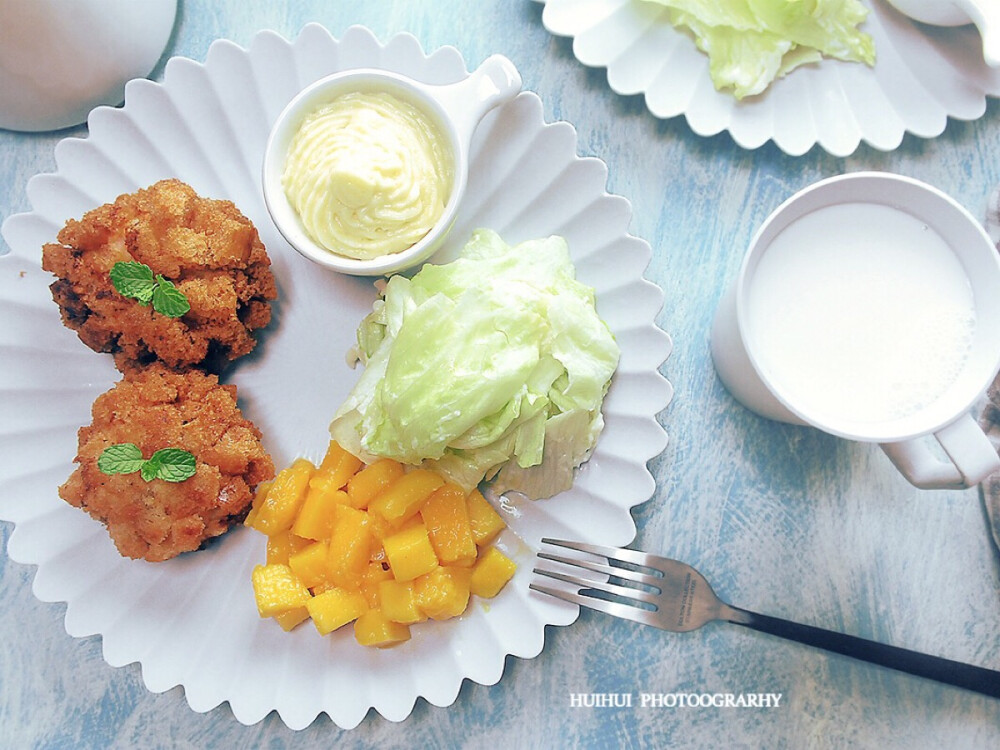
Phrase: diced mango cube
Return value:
(350, 547)
(284, 497)
(443, 593)
(337, 467)
(409, 552)
(486, 522)
(374, 629)
(280, 546)
(380, 529)
(277, 589)
(288, 620)
(446, 516)
(398, 602)
(309, 564)
(315, 517)
(490, 573)
(402, 498)
(371, 480)
(334, 608)
(258, 499)
(374, 575)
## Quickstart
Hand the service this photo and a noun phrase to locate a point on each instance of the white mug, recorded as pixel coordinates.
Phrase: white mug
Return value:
(868, 306)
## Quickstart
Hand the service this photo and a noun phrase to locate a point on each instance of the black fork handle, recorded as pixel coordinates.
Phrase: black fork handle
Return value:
(959, 674)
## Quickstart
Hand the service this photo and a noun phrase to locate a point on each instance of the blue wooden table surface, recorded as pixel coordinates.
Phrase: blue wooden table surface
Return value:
(781, 519)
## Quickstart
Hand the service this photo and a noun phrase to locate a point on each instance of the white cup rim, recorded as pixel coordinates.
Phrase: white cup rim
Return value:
(968, 388)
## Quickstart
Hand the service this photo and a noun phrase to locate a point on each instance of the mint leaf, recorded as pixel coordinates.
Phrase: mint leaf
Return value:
(134, 280)
(173, 464)
(169, 300)
(148, 470)
(168, 464)
(120, 459)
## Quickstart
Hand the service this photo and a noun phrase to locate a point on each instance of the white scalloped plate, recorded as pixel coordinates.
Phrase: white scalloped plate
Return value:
(923, 76)
(192, 621)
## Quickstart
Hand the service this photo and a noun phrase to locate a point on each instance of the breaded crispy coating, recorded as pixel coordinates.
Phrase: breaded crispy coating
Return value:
(156, 408)
(207, 248)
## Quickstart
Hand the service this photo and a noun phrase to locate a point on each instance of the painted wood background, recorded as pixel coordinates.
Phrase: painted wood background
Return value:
(781, 519)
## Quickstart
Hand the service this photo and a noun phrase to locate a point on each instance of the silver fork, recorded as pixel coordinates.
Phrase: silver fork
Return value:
(672, 595)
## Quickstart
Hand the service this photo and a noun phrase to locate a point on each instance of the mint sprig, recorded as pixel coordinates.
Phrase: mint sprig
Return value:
(168, 464)
(136, 281)
(124, 458)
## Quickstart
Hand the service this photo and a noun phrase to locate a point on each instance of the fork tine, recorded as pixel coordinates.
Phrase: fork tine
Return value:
(611, 553)
(642, 616)
(623, 592)
(611, 570)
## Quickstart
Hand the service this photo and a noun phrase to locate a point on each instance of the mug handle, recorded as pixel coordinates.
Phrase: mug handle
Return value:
(973, 457)
(495, 82)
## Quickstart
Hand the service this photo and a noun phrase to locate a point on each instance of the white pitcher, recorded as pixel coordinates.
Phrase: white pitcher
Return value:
(61, 58)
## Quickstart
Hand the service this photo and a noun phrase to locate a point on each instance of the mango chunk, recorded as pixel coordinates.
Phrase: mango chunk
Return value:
(486, 522)
(371, 480)
(409, 552)
(443, 593)
(315, 517)
(258, 500)
(290, 619)
(281, 546)
(284, 498)
(277, 589)
(380, 529)
(374, 629)
(337, 467)
(398, 602)
(376, 573)
(491, 573)
(334, 608)
(309, 564)
(402, 498)
(446, 516)
(350, 547)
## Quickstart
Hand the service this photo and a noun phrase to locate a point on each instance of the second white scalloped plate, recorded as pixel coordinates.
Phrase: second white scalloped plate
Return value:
(192, 621)
(923, 76)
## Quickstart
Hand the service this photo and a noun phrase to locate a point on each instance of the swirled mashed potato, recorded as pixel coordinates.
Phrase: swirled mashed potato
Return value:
(368, 174)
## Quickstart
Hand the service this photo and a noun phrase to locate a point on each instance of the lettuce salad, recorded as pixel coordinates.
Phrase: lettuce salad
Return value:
(493, 366)
(750, 43)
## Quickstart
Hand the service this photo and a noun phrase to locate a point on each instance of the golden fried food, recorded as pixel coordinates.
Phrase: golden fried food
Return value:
(155, 408)
(207, 248)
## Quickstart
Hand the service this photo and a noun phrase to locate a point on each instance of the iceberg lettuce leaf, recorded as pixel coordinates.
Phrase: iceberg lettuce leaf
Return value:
(750, 43)
(477, 364)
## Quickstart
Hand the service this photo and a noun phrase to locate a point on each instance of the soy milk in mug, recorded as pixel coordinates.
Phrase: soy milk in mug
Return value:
(860, 312)
(866, 306)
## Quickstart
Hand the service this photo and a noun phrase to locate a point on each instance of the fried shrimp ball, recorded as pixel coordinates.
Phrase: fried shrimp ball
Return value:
(157, 408)
(207, 248)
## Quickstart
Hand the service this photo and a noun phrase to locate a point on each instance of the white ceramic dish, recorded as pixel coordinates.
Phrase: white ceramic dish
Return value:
(923, 76)
(455, 108)
(192, 621)
(57, 62)
(985, 14)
